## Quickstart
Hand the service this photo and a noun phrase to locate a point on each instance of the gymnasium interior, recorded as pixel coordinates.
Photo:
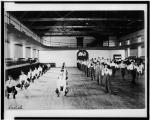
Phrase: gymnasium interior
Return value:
(39, 37)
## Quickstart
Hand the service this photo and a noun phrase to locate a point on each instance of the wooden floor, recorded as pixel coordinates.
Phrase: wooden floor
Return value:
(83, 93)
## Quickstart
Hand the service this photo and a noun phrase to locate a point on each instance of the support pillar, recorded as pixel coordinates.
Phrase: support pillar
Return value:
(23, 51)
(139, 51)
(12, 49)
(31, 52)
(128, 51)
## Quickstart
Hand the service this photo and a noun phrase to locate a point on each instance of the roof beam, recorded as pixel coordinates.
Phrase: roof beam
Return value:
(100, 27)
(53, 27)
(44, 32)
(76, 33)
(79, 19)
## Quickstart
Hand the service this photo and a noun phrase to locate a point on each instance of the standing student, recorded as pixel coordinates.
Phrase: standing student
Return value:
(132, 69)
(101, 73)
(113, 66)
(88, 69)
(140, 69)
(97, 72)
(107, 73)
(122, 67)
(92, 71)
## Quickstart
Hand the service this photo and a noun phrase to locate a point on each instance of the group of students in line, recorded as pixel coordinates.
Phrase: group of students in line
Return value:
(24, 80)
(101, 70)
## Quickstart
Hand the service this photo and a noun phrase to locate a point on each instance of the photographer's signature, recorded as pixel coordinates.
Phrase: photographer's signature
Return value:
(15, 107)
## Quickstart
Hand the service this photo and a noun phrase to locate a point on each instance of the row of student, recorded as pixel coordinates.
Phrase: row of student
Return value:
(102, 69)
(114, 64)
(97, 71)
(24, 80)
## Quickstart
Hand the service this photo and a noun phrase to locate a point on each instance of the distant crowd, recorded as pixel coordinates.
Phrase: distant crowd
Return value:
(24, 80)
(102, 69)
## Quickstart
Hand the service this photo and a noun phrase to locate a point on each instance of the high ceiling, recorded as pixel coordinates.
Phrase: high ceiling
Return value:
(81, 23)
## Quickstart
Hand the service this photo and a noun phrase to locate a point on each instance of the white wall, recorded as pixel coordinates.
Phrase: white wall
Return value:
(58, 57)
(70, 56)
(143, 51)
(60, 41)
(66, 41)
(7, 50)
(105, 53)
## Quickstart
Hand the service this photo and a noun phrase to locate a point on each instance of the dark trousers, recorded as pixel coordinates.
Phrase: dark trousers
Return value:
(123, 73)
(107, 83)
(78, 65)
(97, 77)
(92, 73)
(33, 78)
(133, 73)
(29, 79)
(87, 72)
(11, 90)
(113, 71)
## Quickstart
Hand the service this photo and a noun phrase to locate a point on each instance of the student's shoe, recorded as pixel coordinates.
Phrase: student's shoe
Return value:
(66, 91)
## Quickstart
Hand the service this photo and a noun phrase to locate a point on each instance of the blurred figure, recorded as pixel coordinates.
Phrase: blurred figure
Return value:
(140, 69)
(114, 67)
(122, 67)
(92, 71)
(30, 75)
(62, 82)
(23, 80)
(97, 72)
(10, 87)
(36, 72)
(40, 70)
(106, 77)
(132, 69)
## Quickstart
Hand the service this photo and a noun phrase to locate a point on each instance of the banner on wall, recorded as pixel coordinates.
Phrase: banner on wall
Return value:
(82, 55)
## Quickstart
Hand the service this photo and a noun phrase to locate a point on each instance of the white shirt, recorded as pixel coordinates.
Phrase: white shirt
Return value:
(23, 78)
(10, 83)
(141, 66)
(131, 67)
(40, 69)
(29, 74)
(106, 71)
(36, 71)
(122, 65)
(61, 80)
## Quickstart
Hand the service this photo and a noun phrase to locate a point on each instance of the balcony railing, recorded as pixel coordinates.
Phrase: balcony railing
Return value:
(20, 61)
(9, 19)
(59, 44)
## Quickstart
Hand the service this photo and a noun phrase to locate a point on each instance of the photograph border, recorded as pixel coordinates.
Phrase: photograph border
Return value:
(69, 2)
